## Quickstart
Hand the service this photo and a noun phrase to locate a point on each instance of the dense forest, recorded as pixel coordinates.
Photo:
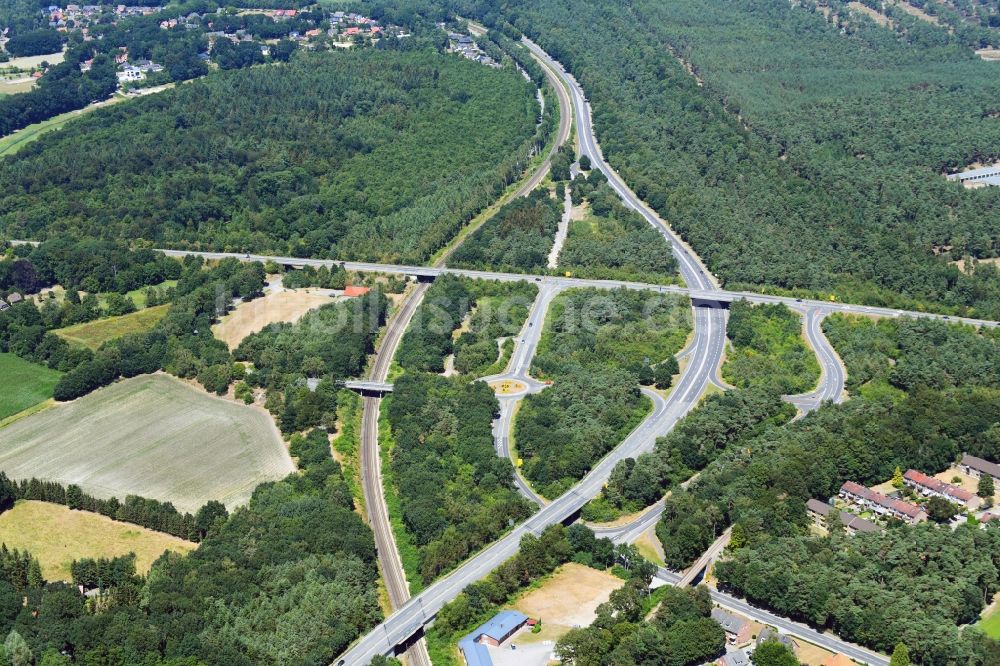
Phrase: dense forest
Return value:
(611, 241)
(484, 311)
(922, 418)
(374, 154)
(596, 347)
(264, 587)
(910, 585)
(517, 239)
(456, 494)
(814, 165)
(769, 351)
(698, 439)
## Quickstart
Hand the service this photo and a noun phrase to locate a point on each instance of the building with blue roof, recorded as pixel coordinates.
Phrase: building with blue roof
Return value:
(502, 626)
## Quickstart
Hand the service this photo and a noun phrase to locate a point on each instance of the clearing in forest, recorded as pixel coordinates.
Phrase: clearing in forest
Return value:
(93, 334)
(152, 436)
(253, 316)
(57, 535)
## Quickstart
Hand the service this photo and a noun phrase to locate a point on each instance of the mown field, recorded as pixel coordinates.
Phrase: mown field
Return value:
(93, 334)
(24, 384)
(57, 535)
(152, 436)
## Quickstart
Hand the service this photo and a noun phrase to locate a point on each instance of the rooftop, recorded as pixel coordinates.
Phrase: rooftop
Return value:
(986, 466)
(937, 485)
(730, 623)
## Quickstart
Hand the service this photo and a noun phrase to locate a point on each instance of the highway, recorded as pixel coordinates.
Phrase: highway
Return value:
(706, 353)
(832, 374)
(790, 627)
(698, 294)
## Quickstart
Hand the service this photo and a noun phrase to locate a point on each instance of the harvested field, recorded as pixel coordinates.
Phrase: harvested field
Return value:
(570, 597)
(152, 436)
(93, 334)
(25, 384)
(57, 535)
(252, 316)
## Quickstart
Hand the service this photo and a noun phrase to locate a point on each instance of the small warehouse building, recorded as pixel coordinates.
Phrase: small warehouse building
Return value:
(500, 628)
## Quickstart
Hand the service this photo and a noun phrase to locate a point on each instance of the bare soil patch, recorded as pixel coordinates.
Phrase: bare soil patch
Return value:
(250, 317)
(570, 597)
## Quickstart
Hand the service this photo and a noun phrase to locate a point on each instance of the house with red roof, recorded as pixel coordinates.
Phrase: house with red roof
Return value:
(928, 486)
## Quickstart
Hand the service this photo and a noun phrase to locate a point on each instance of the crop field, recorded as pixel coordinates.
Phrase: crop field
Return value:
(25, 384)
(95, 333)
(152, 436)
(57, 535)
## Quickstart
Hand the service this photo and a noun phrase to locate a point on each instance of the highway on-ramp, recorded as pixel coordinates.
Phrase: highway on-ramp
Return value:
(706, 353)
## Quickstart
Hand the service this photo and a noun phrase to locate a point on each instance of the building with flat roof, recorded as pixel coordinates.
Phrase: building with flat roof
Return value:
(983, 176)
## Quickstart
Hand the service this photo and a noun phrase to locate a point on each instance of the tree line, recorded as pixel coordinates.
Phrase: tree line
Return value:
(142, 511)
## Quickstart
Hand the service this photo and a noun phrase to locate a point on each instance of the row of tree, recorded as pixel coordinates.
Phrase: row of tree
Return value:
(149, 513)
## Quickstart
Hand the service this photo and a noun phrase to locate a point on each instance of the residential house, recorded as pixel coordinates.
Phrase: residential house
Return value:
(131, 75)
(976, 467)
(501, 627)
(769, 634)
(931, 487)
(839, 659)
(734, 658)
(737, 629)
(880, 504)
(853, 524)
